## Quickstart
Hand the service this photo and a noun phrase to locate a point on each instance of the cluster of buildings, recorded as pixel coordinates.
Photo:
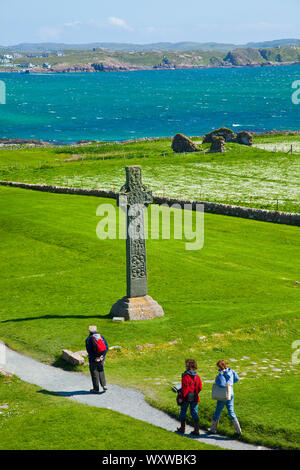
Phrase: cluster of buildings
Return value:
(8, 60)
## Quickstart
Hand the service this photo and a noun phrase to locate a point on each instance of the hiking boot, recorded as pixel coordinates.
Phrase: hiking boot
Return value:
(213, 429)
(237, 426)
(181, 429)
(94, 391)
(196, 430)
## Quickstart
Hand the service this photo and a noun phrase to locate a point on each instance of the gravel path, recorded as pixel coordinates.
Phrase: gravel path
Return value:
(76, 386)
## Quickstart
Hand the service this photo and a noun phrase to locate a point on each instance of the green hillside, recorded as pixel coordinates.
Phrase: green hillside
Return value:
(160, 58)
(237, 298)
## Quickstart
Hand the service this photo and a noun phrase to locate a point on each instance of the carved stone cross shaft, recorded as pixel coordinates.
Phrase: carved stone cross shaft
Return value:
(133, 198)
(137, 305)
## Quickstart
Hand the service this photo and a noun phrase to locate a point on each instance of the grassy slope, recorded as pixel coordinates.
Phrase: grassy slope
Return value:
(148, 58)
(277, 139)
(37, 420)
(236, 298)
(243, 176)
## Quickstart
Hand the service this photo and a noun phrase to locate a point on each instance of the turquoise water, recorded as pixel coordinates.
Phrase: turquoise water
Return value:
(126, 105)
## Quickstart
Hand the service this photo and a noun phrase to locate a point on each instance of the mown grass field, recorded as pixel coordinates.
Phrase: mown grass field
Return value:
(32, 419)
(237, 298)
(253, 177)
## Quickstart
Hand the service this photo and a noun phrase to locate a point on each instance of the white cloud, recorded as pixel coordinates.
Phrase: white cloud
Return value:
(72, 24)
(119, 22)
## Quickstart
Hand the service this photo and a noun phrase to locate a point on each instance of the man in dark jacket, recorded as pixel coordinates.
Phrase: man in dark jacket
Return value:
(96, 360)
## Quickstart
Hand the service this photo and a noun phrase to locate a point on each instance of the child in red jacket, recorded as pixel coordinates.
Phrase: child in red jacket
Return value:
(191, 386)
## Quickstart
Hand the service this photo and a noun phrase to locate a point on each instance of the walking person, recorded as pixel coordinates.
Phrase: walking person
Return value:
(191, 386)
(225, 377)
(97, 347)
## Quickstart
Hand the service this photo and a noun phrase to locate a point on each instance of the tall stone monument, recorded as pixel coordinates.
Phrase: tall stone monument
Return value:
(133, 198)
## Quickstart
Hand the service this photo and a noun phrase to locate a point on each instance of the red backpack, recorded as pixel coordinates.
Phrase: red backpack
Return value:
(99, 344)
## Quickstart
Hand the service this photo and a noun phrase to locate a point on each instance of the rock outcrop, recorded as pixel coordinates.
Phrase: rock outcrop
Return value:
(227, 134)
(216, 62)
(246, 56)
(29, 142)
(244, 138)
(164, 64)
(218, 145)
(181, 144)
(73, 358)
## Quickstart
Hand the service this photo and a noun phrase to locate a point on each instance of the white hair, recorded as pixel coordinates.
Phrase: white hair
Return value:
(92, 329)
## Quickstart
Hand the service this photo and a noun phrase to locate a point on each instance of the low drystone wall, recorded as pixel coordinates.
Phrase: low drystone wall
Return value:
(264, 215)
(287, 218)
(61, 190)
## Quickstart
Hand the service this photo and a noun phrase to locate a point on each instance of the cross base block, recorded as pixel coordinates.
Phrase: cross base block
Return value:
(137, 308)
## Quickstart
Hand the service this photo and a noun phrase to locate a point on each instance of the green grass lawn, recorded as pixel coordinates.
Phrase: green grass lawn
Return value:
(276, 139)
(237, 298)
(251, 177)
(33, 420)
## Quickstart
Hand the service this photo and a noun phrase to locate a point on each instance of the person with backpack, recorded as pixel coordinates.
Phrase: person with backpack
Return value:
(191, 386)
(97, 348)
(226, 377)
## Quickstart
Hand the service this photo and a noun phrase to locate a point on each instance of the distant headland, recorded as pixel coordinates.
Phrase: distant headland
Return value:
(114, 57)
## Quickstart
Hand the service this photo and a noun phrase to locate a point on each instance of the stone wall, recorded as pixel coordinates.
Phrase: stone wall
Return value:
(62, 190)
(264, 215)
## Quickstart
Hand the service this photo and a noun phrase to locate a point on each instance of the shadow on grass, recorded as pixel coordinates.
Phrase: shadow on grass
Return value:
(69, 394)
(51, 317)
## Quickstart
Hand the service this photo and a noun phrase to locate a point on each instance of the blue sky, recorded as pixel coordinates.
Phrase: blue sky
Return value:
(140, 21)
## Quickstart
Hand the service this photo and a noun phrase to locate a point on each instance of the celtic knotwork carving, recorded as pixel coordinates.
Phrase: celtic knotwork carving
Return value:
(138, 268)
(137, 247)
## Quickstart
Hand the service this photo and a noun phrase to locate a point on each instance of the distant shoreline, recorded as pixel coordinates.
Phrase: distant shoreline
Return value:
(106, 69)
(15, 142)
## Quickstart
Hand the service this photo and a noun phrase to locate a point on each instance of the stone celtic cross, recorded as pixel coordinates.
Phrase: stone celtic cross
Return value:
(133, 198)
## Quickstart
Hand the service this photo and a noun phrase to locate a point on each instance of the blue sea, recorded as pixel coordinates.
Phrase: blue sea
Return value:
(65, 108)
